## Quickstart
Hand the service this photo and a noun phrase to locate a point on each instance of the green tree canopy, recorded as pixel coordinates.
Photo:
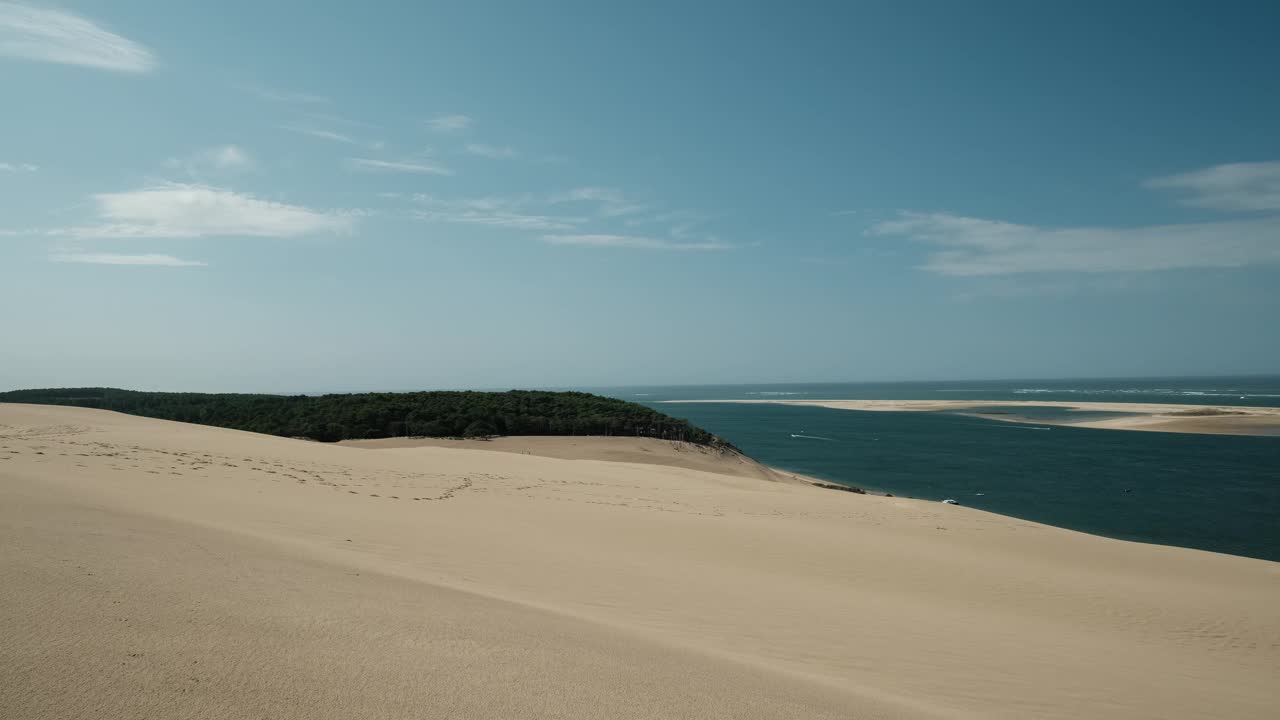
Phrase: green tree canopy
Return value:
(330, 418)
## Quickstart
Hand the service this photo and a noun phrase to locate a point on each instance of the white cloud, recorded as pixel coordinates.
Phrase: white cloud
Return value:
(57, 36)
(421, 167)
(322, 134)
(973, 246)
(333, 135)
(675, 218)
(506, 212)
(1235, 186)
(490, 151)
(609, 202)
(530, 211)
(115, 259)
(683, 226)
(489, 202)
(449, 123)
(229, 156)
(514, 221)
(18, 167)
(225, 157)
(186, 211)
(632, 242)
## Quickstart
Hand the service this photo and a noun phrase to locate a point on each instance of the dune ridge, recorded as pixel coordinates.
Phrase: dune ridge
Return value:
(157, 569)
(642, 450)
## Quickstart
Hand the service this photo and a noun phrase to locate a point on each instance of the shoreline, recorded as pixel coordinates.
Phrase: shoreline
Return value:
(1144, 417)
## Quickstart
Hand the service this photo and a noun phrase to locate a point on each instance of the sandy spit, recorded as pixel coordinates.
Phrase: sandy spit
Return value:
(1152, 417)
(151, 569)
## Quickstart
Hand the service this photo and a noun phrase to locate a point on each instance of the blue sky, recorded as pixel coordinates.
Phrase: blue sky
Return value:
(324, 196)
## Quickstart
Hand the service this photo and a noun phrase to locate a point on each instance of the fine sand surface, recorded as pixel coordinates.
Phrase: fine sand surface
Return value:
(151, 569)
(646, 451)
(1152, 417)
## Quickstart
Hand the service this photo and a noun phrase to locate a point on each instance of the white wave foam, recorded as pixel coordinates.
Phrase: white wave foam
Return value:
(1209, 392)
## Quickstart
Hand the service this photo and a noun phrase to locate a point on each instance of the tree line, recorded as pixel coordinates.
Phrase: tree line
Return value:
(330, 418)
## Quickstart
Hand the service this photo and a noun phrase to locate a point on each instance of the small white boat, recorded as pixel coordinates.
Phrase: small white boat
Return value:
(949, 501)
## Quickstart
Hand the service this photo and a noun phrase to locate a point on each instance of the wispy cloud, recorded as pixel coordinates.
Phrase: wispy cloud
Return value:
(225, 158)
(1236, 186)
(514, 221)
(331, 119)
(57, 36)
(683, 226)
(283, 96)
(632, 242)
(505, 212)
(684, 231)
(18, 167)
(538, 212)
(490, 151)
(229, 156)
(974, 246)
(685, 218)
(116, 259)
(322, 134)
(421, 167)
(609, 202)
(449, 123)
(333, 135)
(187, 211)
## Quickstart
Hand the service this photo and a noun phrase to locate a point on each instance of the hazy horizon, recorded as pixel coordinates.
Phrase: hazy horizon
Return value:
(625, 386)
(571, 195)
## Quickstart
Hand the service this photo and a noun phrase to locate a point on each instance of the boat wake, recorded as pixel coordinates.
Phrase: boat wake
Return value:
(812, 437)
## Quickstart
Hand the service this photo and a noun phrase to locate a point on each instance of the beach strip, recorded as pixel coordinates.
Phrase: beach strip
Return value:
(1150, 417)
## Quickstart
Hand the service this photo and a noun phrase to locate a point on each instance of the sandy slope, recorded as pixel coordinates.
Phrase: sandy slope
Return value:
(647, 451)
(155, 570)
(1156, 417)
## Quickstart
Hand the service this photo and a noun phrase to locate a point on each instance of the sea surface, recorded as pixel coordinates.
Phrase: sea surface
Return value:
(1212, 492)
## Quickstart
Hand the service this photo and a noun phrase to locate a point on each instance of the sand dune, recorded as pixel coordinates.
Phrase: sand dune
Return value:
(156, 569)
(1153, 417)
(645, 451)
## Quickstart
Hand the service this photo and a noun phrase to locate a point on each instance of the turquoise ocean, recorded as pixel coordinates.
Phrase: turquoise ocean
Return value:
(1213, 492)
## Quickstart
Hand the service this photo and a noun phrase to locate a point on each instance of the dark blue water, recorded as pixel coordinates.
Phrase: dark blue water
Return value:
(1213, 492)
